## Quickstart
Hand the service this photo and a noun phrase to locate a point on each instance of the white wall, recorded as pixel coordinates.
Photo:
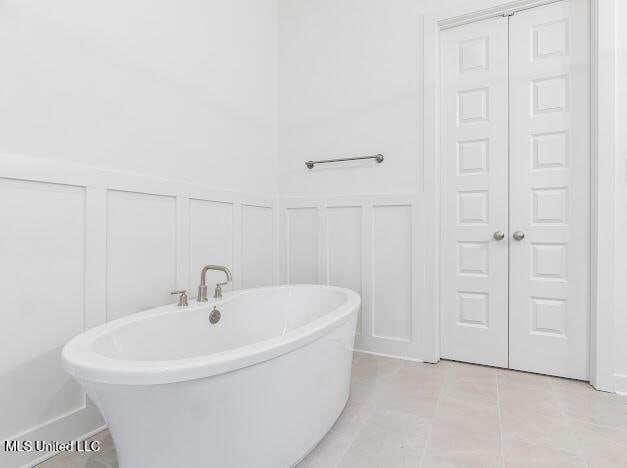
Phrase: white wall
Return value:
(188, 92)
(353, 79)
(620, 207)
(182, 91)
(349, 85)
(137, 143)
(358, 77)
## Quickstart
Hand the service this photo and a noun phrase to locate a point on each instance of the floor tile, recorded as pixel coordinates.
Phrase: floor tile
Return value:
(573, 462)
(602, 413)
(526, 383)
(104, 458)
(583, 403)
(604, 460)
(329, 452)
(464, 426)
(532, 450)
(529, 406)
(476, 459)
(471, 388)
(419, 379)
(530, 417)
(395, 399)
(453, 415)
(413, 389)
(388, 439)
(331, 449)
(359, 404)
(601, 445)
(375, 368)
(462, 369)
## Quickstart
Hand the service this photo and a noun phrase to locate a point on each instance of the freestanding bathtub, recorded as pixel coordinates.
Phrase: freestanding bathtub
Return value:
(259, 388)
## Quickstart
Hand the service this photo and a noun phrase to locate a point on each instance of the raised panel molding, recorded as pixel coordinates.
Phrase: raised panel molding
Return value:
(549, 261)
(550, 40)
(392, 272)
(258, 251)
(472, 207)
(473, 258)
(472, 157)
(550, 150)
(549, 95)
(473, 55)
(303, 248)
(472, 309)
(344, 240)
(141, 252)
(372, 245)
(211, 241)
(550, 205)
(42, 247)
(548, 317)
(90, 242)
(472, 106)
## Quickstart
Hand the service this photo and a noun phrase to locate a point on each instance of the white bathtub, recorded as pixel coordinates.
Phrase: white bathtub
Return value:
(259, 388)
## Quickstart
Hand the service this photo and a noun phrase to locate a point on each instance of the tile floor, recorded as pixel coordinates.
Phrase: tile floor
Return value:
(404, 414)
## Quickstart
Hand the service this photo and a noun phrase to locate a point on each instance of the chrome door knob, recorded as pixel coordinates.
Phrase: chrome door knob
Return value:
(518, 235)
(499, 235)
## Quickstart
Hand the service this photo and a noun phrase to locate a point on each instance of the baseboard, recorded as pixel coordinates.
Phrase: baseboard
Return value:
(620, 386)
(403, 358)
(48, 456)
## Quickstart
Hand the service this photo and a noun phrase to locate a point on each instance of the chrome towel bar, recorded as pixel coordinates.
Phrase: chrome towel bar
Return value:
(310, 164)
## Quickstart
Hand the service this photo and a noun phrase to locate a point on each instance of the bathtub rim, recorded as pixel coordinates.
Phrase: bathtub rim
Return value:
(82, 362)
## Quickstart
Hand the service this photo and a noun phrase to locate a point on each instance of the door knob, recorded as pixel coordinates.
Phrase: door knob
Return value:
(519, 235)
(499, 235)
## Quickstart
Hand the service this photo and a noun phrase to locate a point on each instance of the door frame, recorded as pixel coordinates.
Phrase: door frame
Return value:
(601, 136)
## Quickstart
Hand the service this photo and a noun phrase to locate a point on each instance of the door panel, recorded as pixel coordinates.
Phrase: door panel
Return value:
(548, 287)
(474, 194)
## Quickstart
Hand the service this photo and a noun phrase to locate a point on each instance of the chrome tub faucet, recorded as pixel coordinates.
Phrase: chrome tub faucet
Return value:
(202, 289)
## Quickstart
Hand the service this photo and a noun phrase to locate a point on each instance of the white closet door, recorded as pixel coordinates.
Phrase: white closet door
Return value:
(549, 190)
(474, 194)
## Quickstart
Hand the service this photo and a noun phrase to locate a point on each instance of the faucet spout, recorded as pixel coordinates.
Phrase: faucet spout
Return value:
(202, 289)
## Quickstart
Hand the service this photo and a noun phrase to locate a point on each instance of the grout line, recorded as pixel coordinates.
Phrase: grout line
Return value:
(370, 412)
(430, 432)
(568, 424)
(361, 427)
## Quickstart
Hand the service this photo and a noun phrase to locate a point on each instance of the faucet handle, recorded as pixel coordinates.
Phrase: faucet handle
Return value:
(217, 293)
(182, 297)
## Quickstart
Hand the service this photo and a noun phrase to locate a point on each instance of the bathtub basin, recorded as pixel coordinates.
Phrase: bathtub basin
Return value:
(259, 388)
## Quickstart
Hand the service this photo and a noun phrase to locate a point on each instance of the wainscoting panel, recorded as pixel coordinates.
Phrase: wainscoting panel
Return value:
(141, 248)
(258, 249)
(211, 242)
(367, 243)
(42, 244)
(82, 246)
(391, 272)
(302, 244)
(344, 248)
